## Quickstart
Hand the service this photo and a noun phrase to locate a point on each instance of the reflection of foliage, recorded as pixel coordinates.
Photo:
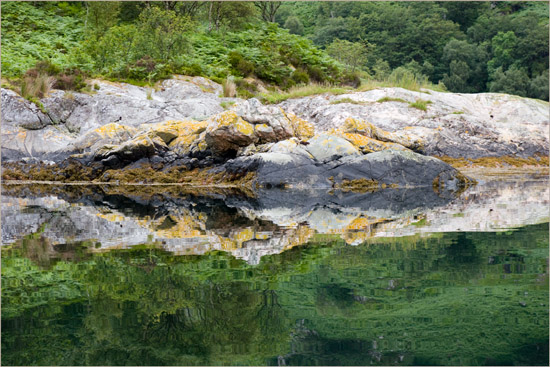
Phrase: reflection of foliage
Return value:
(466, 298)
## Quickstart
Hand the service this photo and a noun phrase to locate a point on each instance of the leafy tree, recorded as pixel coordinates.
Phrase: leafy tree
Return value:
(464, 13)
(538, 87)
(189, 8)
(230, 14)
(465, 60)
(294, 25)
(162, 33)
(337, 28)
(381, 69)
(457, 79)
(268, 9)
(100, 16)
(353, 54)
(503, 47)
(513, 81)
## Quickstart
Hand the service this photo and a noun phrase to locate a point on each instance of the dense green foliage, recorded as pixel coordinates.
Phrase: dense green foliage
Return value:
(477, 47)
(470, 47)
(453, 299)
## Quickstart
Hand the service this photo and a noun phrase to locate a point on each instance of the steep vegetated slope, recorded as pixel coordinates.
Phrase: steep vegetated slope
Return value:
(482, 47)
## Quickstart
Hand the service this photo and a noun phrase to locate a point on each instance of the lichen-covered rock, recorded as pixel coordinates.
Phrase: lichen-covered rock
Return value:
(326, 147)
(456, 125)
(179, 135)
(110, 134)
(358, 126)
(143, 145)
(74, 114)
(18, 112)
(256, 113)
(369, 145)
(302, 128)
(228, 132)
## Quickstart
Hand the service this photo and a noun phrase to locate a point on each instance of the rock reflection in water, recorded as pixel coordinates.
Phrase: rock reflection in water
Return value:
(275, 221)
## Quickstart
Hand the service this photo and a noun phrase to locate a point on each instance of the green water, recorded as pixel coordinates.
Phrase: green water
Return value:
(462, 298)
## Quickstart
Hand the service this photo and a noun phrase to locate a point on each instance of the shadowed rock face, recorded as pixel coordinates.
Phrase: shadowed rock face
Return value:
(400, 168)
(274, 221)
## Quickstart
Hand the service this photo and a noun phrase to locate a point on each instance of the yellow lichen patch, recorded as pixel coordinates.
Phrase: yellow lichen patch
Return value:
(263, 128)
(182, 144)
(202, 146)
(112, 217)
(227, 119)
(364, 223)
(369, 145)
(302, 128)
(113, 130)
(356, 126)
(21, 136)
(170, 130)
(244, 127)
(240, 237)
(359, 185)
(185, 227)
(262, 235)
(300, 236)
(356, 238)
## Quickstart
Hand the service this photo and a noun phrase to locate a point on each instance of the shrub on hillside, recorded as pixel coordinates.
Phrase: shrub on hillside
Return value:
(300, 77)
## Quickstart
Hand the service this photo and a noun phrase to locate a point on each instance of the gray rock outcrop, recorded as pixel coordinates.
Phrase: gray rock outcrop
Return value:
(454, 124)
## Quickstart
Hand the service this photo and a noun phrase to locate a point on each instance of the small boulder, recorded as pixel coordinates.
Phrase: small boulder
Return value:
(325, 147)
(228, 132)
(144, 145)
(112, 133)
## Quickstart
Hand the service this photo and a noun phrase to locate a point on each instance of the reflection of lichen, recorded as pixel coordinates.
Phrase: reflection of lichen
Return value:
(359, 185)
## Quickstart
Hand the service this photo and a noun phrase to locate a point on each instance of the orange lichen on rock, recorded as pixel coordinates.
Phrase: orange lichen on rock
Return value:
(302, 128)
(370, 145)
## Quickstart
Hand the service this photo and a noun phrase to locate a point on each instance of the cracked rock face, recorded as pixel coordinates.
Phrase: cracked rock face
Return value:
(28, 132)
(455, 125)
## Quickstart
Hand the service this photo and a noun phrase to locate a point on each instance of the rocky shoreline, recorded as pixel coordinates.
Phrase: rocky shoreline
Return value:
(180, 133)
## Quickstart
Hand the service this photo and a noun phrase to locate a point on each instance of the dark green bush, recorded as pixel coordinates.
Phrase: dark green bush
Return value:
(316, 73)
(245, 68)
(350, 78)
(194, 69)
(46, 67)
(300, 77)
(71, 79)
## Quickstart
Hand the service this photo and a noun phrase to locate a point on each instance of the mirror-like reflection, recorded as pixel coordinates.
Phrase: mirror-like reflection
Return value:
(111, 276)
(186, 223)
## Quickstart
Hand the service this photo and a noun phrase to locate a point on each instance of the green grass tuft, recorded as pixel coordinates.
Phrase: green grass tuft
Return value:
(226, 104)
(301, 91)
(389, 99)
(420, 104)
(348, 100)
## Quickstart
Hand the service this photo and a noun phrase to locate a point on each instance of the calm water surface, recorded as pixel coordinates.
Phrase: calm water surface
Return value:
(101, 277)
